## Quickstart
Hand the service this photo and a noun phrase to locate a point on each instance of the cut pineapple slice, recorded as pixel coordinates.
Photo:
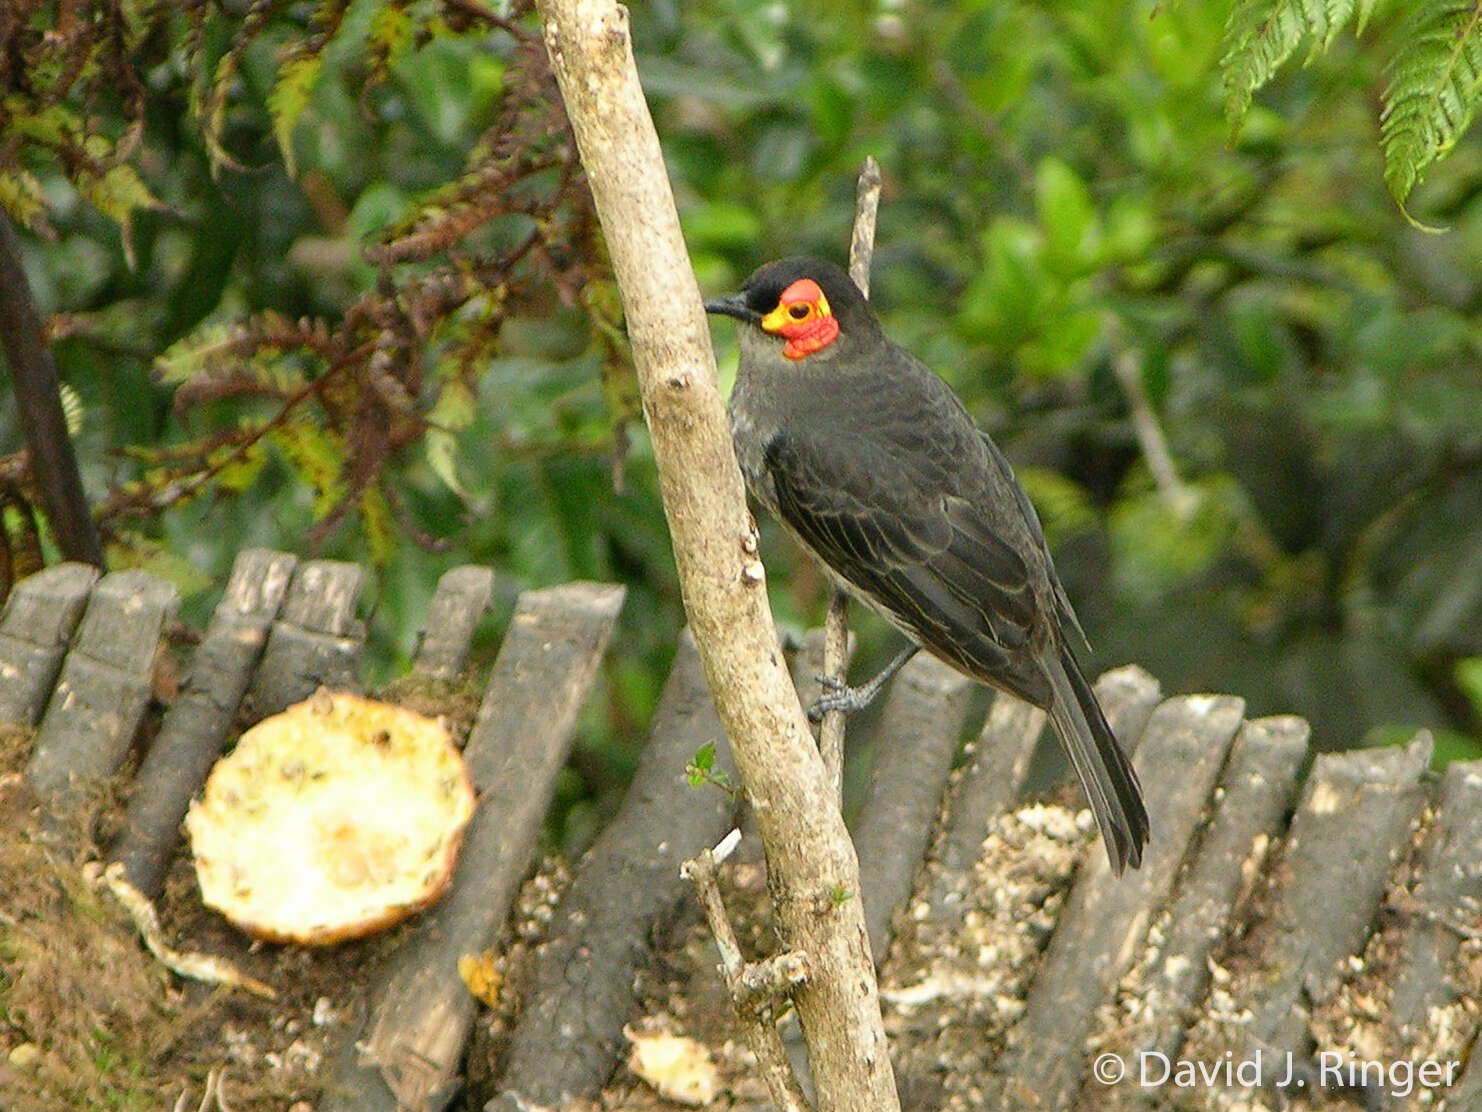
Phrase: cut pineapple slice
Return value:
(332, 820)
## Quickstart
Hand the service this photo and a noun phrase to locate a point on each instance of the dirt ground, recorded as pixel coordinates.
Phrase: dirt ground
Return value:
(89, 1019)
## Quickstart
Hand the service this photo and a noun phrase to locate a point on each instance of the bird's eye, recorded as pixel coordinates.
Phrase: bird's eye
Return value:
(799, 310)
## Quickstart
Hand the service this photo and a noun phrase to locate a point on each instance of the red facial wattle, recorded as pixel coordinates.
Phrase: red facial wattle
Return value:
(803, 319)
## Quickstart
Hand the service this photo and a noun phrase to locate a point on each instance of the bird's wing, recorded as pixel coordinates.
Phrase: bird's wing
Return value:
(889, 525)
(1062, 600)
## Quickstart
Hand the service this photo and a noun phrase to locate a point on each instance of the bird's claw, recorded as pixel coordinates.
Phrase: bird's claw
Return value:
(839, 696)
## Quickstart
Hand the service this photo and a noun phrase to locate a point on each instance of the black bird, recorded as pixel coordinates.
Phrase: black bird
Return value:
(871, 461)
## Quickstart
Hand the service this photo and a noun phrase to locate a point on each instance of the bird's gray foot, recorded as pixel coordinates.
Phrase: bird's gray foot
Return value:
(839, 696)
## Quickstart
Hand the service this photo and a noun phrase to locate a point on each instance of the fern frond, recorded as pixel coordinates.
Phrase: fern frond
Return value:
(1365, 10)
(1433, 91)
(1338, 14)
(1263, 34)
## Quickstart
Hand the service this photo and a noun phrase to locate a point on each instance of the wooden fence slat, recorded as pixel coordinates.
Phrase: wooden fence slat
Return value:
(1129, 695)
(1352, 825)
(1448, 890)
(103, 690)
(461, 598)
(420, 1011)
(914, 746)
(990, 779)
(316, 640)
(993, 776)
(35, 629)
(1430, 1012)
(1178, 760)
(626, 892)
(1255, 792)
(196, 728)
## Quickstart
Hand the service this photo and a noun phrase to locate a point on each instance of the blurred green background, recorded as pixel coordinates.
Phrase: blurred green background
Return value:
(1069, 230)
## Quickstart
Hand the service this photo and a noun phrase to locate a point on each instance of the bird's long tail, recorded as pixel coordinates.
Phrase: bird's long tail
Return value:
(1105, 773)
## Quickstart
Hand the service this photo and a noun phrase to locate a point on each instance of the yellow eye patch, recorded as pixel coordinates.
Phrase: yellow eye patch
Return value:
(800, 304)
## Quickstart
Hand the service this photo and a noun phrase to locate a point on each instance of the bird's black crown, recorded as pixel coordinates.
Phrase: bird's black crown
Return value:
(763, 290)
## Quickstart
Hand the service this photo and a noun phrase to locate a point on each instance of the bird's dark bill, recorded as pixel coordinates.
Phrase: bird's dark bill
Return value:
(733, 306)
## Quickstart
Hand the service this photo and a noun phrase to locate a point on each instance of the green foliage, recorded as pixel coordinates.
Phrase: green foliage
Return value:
(1434, 83)
(1435, 75)
(367, 314)
(702, 770)
(1265, 33)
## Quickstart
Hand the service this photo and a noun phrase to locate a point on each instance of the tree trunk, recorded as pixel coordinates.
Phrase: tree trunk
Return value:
(812, 869)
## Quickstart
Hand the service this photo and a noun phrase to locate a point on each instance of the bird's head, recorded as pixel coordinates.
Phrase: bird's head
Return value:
(805, 304)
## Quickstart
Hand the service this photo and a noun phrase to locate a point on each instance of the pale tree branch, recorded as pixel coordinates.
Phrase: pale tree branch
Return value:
(836, 626)
(812, 870)
(1128, 367)
(754, 1010)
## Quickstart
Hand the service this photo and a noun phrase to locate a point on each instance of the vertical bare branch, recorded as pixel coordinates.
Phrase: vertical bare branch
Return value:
(814, 876)
(836, 626)
(33, 377)
(1128, 367)
(866, 209)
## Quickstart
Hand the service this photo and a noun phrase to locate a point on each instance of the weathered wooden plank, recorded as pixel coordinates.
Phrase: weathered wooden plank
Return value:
(453, 616)
(992, 777)
(1466, 1094)
(1255, 792)
(1447, 897)
(35, 629)
(1352, 826)
(1101, 929)
(197, 726)
(421, 1011)
(316, 641)
(103, 690)
(627, 891)
(914, 746)
(1349, 831)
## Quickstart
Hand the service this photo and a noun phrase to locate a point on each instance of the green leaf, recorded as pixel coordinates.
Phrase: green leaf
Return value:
(441, 453)
(1158, 550)
(243, 471)
(289, 98)
(52, 126)
(1002, 304)
(1433, 91)
(720, 224)
(1263, 34)
(21, 195)
(134, 550)
(1072, 230)
(318, 456)
(194, 354)
(1469, 679)
(702, 770)
(1064, 508)
(379, 526)
(390, 32)
(118, 193)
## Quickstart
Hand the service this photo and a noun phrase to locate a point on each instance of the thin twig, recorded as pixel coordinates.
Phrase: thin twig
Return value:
(197, 967)
(835, 667)
(866, 209)
(1128, 367)
(836, 625)
(754, 989)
